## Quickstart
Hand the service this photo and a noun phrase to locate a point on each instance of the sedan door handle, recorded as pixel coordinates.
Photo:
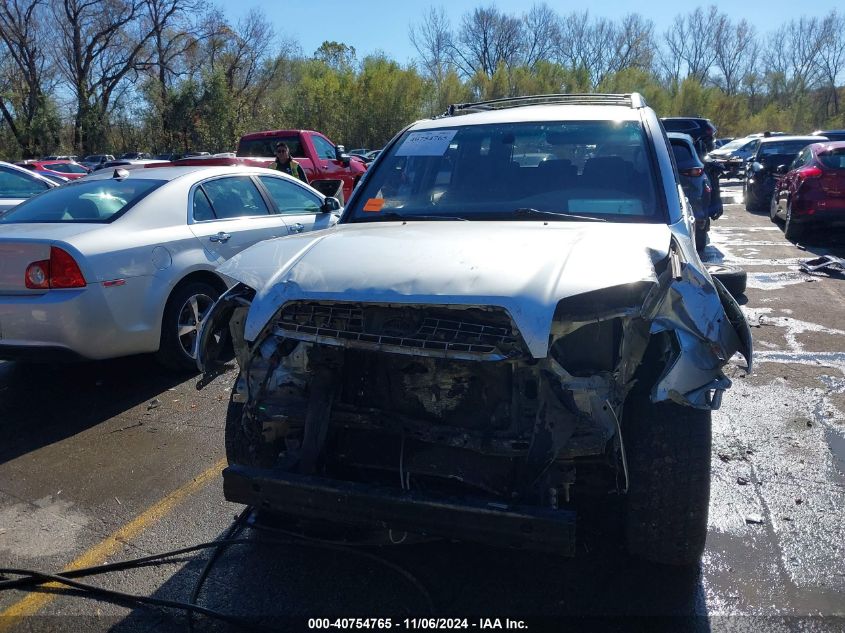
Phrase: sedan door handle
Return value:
(220, 237)
(296, 228)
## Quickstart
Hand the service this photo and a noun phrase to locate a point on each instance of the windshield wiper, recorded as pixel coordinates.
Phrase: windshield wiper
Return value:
(528, 211)
(392, 215)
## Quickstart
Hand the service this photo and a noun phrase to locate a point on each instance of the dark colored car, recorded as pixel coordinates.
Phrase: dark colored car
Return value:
(702, 131)
(760, 171)
(831, 135)
(695, 183)
(731, 158)
(811, 190)
(134, 156)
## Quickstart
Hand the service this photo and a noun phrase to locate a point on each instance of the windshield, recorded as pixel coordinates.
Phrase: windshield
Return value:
(98, 201)
(735, 144)
(535, 170)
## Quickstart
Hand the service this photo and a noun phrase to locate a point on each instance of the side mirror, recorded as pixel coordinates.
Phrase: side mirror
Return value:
(330, 204)
(781, 169)
(341, 155)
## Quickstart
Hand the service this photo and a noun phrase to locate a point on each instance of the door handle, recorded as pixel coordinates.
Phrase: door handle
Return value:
(296, 228)
(220, 237)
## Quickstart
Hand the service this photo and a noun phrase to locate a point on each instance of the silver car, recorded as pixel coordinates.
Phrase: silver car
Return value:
(500, 337)
(123, 262)
(18, 184)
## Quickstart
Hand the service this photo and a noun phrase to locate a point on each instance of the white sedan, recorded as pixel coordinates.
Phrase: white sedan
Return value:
(123, 262)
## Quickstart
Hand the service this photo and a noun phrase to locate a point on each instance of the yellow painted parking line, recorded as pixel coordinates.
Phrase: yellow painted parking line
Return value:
(98, 554)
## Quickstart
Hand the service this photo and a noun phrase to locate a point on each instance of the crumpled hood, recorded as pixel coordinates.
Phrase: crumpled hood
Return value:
(523, 267)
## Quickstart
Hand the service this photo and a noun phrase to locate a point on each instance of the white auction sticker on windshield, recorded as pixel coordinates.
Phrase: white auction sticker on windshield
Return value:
(433, 143)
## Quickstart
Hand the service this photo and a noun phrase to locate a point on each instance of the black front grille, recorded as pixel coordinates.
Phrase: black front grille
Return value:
(438, 331)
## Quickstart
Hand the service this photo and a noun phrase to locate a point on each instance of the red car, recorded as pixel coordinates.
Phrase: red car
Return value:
(811, 190)
(67, 168)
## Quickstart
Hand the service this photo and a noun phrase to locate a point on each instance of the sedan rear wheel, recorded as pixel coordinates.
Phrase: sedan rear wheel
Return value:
(791, 231)
(185, 310)
(773, 209)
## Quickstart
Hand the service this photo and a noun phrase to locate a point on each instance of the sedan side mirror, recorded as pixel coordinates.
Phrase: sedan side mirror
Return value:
(330, 204)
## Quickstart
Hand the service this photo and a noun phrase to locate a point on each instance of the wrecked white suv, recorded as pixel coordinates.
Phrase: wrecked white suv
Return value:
(510, 316)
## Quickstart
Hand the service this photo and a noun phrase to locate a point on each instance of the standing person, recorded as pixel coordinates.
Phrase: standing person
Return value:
(286, 164)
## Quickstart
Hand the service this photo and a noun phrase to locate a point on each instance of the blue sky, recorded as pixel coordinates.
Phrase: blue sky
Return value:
(379, 25)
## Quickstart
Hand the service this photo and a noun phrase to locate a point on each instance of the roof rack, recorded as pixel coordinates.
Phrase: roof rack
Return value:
(631, 100)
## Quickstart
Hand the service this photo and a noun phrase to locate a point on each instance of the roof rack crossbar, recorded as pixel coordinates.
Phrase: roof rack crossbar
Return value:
(631, 100)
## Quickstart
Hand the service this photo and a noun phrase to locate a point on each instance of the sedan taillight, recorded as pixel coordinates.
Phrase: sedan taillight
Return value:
(60, 271)
(693, 171)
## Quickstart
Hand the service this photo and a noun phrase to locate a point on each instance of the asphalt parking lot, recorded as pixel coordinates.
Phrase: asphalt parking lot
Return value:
(108, 461)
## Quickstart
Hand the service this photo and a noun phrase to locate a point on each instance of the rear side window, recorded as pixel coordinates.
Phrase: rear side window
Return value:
(17, 185)
(234, 197)
(834, 158)
(682, 152)
(98, 201)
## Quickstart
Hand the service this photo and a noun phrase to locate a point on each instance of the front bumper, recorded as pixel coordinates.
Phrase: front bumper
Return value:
(381, 507)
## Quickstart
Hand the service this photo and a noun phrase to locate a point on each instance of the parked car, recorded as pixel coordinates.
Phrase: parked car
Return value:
(320, 158)
(831, 135)
(759, 182)
(66, 168)
(123, 262)
(168, 156)
(702, 131)
(363, 151)
(695, 183)
(94, 161)
(135, 156)
(129, 163)
(49, 175)
(719, 142)
(18, 184)
(72, 157)
(478, 343)
(810, 192)
(371, 156)
(732, 156)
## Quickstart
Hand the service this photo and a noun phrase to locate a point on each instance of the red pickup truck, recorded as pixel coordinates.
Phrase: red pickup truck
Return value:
(321, 159)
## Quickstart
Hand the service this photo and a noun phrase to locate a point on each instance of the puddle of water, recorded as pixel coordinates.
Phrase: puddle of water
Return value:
(836, 442)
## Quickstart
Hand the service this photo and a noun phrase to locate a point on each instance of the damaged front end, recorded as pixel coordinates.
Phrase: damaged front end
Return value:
(438, 419)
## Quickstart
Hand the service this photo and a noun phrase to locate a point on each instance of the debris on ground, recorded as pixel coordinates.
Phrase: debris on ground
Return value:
(825, 263)
(742, 481)
(153, 404)
(754, 519)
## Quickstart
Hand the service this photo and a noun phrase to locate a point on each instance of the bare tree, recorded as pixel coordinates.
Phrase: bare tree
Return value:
(24, 85)
(831, 56)
(633, 44)
(791, 58)
(689, 45)
(735, 51)
(585, 44)
(486, 38)
(101, 44)
(542, 29)
(432, 39)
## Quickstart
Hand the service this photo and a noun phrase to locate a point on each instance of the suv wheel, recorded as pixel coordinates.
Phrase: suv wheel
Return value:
(668, 450)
